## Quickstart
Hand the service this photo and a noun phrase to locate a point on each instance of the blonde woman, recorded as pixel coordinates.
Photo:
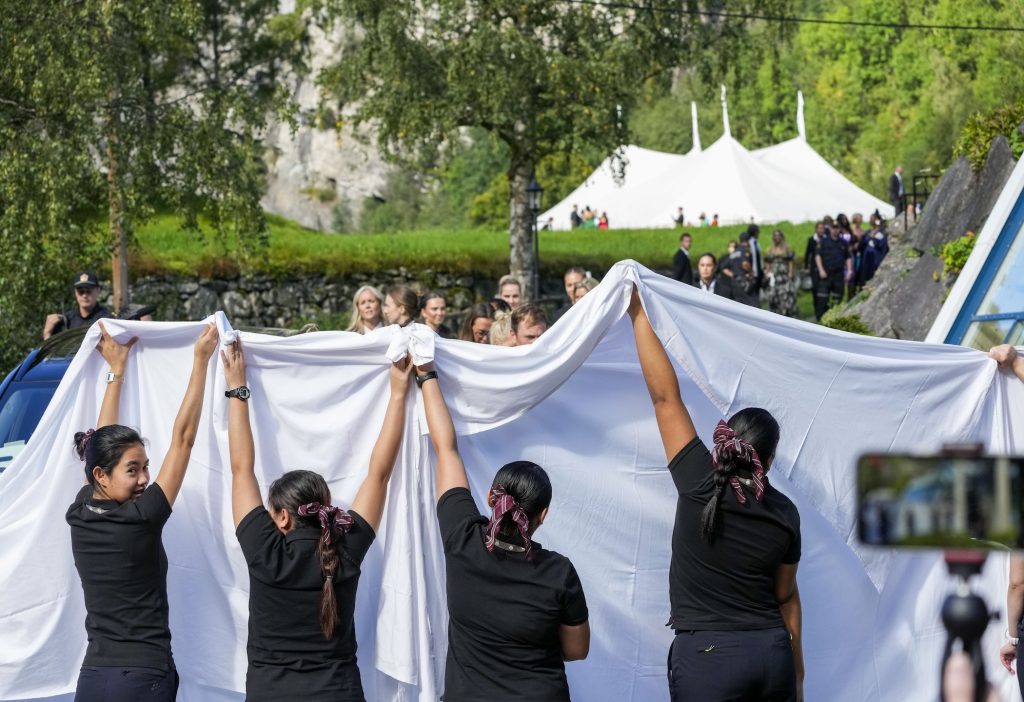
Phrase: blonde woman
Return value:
(582, 288)
(501, 329)
(366, 304)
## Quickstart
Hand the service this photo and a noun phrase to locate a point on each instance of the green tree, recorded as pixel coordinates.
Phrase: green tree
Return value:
(110, 110)
(545, 77)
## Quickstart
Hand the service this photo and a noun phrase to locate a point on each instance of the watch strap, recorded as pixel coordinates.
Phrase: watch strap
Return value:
(429, 375)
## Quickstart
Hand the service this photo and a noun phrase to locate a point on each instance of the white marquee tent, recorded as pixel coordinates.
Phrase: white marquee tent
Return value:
(788, 181)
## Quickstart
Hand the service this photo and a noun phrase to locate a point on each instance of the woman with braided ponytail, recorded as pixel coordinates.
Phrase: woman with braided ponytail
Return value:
(304, 556)
(735, 548)
(516, 611)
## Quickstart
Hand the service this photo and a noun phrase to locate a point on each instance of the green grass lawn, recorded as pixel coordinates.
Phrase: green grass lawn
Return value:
(164, 247)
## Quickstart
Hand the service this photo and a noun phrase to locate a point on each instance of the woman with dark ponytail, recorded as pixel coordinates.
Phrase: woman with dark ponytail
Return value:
(516, 611)
(304, 556)
(117, 523)
(735, 548)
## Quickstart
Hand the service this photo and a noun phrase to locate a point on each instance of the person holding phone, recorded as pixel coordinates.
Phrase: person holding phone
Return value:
(735, 548)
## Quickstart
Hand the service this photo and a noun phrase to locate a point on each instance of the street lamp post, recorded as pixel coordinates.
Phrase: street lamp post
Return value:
(534, 193)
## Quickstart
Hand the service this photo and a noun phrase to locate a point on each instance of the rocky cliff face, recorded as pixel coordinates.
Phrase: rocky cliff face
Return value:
(316, 169)
(904, 298)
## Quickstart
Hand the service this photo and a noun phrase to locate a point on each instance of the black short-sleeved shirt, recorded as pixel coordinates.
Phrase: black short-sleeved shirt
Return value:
(729, 584)
(74, 320)
(834, 253)
(121, 561)
(504, 612)
(289, 656)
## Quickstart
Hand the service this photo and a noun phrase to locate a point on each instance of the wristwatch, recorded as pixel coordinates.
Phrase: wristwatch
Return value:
(429, 375)
(112, 376)
(241, 392)
(1013, 640)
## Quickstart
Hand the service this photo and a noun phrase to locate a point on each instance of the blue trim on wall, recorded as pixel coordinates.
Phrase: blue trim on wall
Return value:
(988, 271)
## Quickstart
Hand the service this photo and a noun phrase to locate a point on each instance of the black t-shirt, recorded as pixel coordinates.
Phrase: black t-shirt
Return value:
(504, 612)
(729, 584)
(74, 320)
(121, 561)
(289, 657)
(834, 253)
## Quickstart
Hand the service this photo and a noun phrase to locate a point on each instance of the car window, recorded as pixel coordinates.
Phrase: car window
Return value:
(21, 412)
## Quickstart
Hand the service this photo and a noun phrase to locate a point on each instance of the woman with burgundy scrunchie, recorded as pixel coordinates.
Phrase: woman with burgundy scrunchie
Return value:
(735, 548)
(304, 555)
(516, 611)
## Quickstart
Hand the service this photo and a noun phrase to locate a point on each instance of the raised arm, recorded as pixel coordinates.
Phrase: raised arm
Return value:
(1014, 610)
(1007, 357)
(788, 596)
(451, 473)
(245, 490)
(116, 356)
(369, 501)
(674, 421)
(186, 424)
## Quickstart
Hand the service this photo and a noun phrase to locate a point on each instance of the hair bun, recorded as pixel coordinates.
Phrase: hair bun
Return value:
(82, 442)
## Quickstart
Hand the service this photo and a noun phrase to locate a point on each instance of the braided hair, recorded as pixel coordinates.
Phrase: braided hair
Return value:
(739, 445)
(306, 497)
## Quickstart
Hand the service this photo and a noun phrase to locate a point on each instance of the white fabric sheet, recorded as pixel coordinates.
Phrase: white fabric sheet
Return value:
(575, 403)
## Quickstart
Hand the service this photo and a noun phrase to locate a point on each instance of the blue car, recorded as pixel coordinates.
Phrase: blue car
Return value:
(26, 391)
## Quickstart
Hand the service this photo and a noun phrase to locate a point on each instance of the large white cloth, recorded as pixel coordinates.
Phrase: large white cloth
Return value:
(575, 403)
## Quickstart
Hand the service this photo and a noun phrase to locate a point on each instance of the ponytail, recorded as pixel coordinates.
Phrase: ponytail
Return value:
(520, 492)
(332, 521)
(738, 446)
(305, 495)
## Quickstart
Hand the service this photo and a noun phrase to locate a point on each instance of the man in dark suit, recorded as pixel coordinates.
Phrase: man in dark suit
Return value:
(897, 193)
(756, 260)
(682, 269)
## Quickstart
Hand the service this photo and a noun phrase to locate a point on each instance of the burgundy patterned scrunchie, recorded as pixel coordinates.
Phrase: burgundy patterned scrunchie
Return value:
(505, 504)
(85, 441)
(331, 518)
(728, 444)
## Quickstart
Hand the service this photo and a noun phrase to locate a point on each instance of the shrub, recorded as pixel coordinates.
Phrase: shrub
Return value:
(954, 255)
(981, 130)
(835, 319)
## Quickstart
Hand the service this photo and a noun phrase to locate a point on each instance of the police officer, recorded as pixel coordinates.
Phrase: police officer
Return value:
(832, 259)
(87, 293)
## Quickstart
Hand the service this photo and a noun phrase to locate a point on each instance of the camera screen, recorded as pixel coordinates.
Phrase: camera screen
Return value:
(940, 502)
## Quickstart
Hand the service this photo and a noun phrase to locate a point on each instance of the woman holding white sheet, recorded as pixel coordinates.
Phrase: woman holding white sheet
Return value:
(117, 523)
(304, 556)
(516, 610)
(735, 548)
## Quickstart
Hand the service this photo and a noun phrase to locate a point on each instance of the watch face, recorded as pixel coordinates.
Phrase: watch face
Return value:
(243, 393)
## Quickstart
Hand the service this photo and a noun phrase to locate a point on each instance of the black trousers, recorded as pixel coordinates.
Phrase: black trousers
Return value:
(128, 684)
(732, 666)
(828, 292)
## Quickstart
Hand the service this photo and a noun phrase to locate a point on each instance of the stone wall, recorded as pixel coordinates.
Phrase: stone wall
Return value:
(263, 301)
(905, 296)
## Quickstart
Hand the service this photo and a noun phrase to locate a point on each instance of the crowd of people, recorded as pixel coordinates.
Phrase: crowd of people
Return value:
(840, 257)
(587, 218)
(504, 320)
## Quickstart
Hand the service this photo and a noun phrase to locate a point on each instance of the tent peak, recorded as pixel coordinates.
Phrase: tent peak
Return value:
(725, 113)
(801, 127)
(696, 149)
